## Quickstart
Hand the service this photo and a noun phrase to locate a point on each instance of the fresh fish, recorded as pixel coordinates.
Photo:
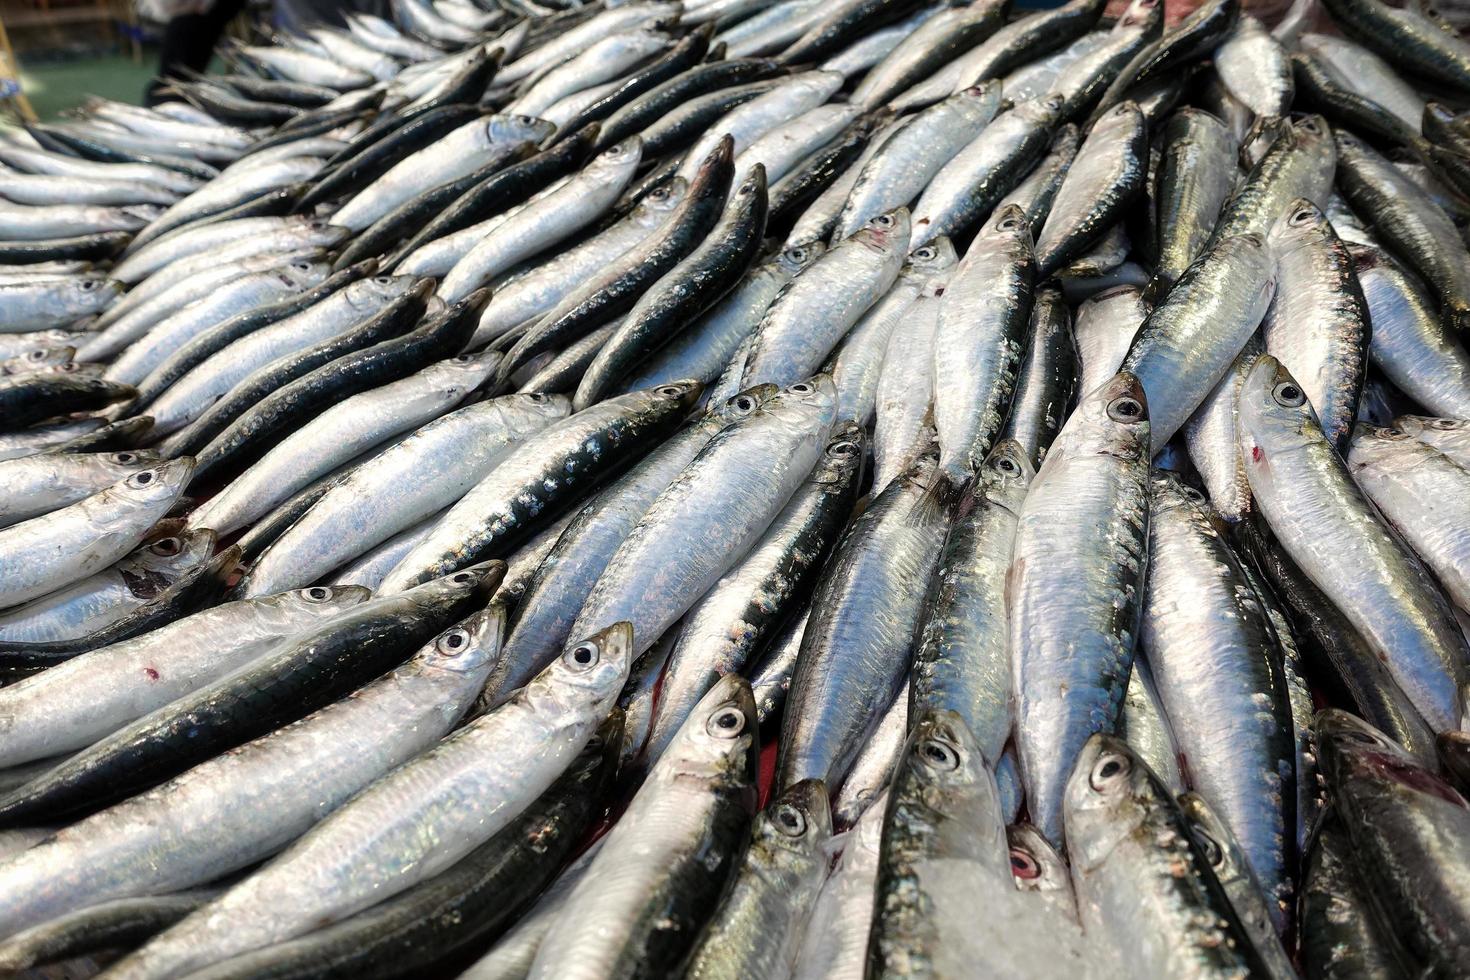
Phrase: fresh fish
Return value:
(1104, 179)
(758, 928)
(1075, 588)
(1381, 588)
(383, 496)
(665, 866)
(1418, 489)
(1230, 717)
(1134, 861)
(961, 662)
(533, 737)
(857, 365)
(1196, 174)
(739, 615)
(865, 610)
(1189, 340)
(56, 549)
(905, 163)
(813, 311)
(1409, 343)
(1046, 380)
(770, 452)
(982, 321)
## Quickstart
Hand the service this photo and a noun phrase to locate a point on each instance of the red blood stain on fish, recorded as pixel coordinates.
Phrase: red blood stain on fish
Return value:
(1256, 454)
(150, 673)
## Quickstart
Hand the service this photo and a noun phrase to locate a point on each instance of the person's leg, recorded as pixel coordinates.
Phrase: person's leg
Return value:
(188, 42)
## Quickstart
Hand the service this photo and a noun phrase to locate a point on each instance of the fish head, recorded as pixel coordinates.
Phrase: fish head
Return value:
(175, 552)
(1359, 761)
(596, 666)
(156, 483)
(1035, 864)
(1213, 838)
(1273, 413)
(796, 258)
(753, 186)
(743, 404)
(684, 393)
(537, 405)
(304, 273)
(1300, 224)
(1113, 419)
(657, 203)
(461, 374)
(470, 647)
(325, 599)
(929, 259)
(1005, 476)
(1147, 15)
(795, 825)
(1375, 446)
(372, 293)
(943, 764)
(981, 101)
(1007, 228)
(1108, 798)
(95, 290)
(516, 129)
(810, 402)
(842, 459)
(719, 738)
(315, 231)
(620, 159)
(472, 579)
(886, 232)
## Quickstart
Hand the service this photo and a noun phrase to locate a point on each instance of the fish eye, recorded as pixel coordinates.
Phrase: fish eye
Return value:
(1007, 466)
(1125, 408)
(582, 656)
(940, 755)
(1110, 770)
(167, 547)
(87, 285)
(843, 448)
(1024, 866)
(1310, 125)
(143, 479)
(1009, 224)
(925, 254)
(882, 221)
(789, 820)
(743, 404)
(537, 397)
(382, 280)
(462, 358)
(802, 388)
(124, 457)
(453, 643)
(1302, 216)
(797, 254)
(669, 391)
(1190, 493)
(36, 355)
(463, 578)
(726, 723)
(1289, 395)
(1214, 853)
(1055, 102)
(301, 266)
(317, 593)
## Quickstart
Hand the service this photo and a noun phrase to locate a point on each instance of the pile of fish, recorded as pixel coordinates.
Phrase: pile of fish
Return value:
(745, 489)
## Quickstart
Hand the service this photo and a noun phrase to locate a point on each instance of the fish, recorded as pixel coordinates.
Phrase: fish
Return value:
(1085, 519)
(694, 812)
(1133, 857)
(758, 928)
(1409, 627)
